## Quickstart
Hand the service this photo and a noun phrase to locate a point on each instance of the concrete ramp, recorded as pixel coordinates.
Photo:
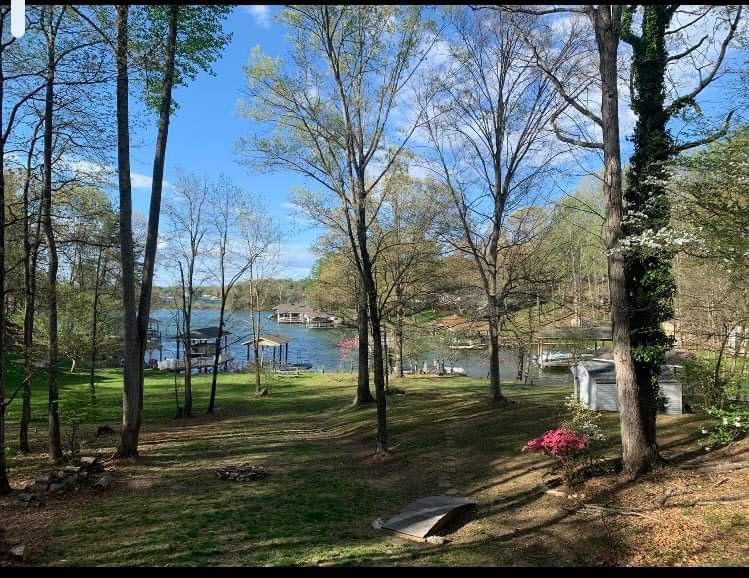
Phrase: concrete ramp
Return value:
(426, 515)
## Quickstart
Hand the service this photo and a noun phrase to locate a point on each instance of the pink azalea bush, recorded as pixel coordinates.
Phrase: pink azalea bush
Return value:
(563, 444)
(558, 442)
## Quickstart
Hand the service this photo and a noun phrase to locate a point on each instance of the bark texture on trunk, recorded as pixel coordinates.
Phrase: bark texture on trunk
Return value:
(157, 183)
(95, 322)
(217, 353)
(399, 330)
(363, 393)
(375, 323)
(133, 362)
(495, 384)
(53, 410)
(636, 453)
(31, 253)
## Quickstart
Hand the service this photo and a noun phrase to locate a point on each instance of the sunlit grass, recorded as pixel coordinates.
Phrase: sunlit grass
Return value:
(323, 491)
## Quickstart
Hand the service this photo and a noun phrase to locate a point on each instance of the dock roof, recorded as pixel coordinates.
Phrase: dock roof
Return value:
(269, 340)
(203, 333)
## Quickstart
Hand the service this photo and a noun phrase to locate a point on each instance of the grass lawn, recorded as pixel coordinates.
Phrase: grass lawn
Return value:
(324, 488)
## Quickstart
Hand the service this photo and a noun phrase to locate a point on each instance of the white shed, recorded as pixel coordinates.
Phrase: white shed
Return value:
(595, 386)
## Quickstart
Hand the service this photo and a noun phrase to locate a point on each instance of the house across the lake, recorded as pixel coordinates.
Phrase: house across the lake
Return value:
(312, 318)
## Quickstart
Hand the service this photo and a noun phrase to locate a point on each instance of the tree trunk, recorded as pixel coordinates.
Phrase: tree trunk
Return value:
(255, 316)
(217, 352)
(521, 361)
(55, 445)
(157, 183)
(379, 376)
(31, 252)
(374, 318)
(636, 453)
(386, 359)
(132, 371)
(257, 367)
(363, 393)
(399, 329)
(187, 295)
(95, 323)
(495, 386)
(188, 371)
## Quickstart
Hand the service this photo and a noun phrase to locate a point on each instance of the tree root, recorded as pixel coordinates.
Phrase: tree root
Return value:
(596, 509)
(725, 467)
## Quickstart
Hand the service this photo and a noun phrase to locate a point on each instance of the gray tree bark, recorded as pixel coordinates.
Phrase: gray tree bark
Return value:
(636, 453)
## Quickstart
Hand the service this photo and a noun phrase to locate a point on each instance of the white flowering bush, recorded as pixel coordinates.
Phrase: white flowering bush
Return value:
(733, 424)
(583, 421)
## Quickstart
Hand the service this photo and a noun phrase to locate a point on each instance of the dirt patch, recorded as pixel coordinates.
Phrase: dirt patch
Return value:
(672, 516)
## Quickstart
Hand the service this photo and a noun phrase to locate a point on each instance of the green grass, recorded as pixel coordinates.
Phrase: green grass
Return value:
(324, 489)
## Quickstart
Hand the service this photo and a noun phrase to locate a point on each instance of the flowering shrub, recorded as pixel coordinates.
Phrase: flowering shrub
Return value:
(733, 425)
(563, 444)
(347, 348)
(559, 442)
(583, 421)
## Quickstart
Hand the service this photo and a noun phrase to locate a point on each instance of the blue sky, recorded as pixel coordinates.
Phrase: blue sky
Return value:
(205, 129)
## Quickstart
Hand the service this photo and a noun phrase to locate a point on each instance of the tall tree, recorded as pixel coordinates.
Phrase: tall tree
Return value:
(648, 272)
(492, 147)
(228, 204)
(171, 44)
(51, 20)
(11, 103)
(605, 24)
(333, 113)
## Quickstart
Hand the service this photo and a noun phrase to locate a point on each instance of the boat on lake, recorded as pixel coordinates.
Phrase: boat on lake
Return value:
(560, 358)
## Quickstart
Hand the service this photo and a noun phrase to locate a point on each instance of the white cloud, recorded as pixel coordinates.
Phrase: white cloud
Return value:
(261, 13)
(296, 260)
(140, 181)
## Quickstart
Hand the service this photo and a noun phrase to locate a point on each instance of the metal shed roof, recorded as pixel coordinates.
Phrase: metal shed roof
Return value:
(603, 371)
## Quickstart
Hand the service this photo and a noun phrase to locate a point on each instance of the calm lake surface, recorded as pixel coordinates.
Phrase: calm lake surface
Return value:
(319, 346)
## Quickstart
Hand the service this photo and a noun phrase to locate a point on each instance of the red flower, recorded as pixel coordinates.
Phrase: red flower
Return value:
(557, 442)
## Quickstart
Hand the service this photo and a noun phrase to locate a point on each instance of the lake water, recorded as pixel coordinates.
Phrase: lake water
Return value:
(319, 346)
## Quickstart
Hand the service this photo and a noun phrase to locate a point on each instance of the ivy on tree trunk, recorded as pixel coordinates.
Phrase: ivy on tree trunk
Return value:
(650, 283)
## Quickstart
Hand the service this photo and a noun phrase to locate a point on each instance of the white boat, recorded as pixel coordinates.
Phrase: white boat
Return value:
(560, 358)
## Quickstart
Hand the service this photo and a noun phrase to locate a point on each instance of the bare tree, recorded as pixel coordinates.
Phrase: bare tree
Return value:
(187, 211)
(258, 245)
(229, 207)
(492, 148)
(334, 118)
